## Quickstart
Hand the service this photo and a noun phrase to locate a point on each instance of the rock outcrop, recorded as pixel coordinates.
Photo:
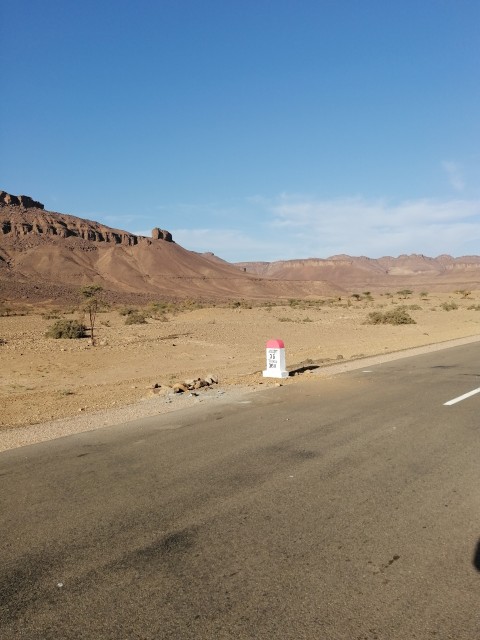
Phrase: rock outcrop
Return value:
(161, 234)
(20, 201)
(21, 217)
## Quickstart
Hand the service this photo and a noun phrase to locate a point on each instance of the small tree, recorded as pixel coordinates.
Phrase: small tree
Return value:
(404, 293)
(90, 294)
(423, 295)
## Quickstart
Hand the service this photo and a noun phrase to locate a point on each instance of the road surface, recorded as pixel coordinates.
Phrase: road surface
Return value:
(345, 508)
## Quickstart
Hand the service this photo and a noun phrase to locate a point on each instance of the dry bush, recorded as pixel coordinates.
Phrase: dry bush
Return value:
(396, 316)
(135, 318)
(13, 311)
(70, 329)
(449, 306)
(52, 314)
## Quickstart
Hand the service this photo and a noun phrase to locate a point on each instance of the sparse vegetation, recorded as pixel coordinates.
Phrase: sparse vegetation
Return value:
(52, 314)
(396, 316)
(474, 307)
(125, 311)
(135, 317)
(71, 329)
(5, 310)
(449, 306)
(240, 304)
(404, 293)
(463, 292)
(423, 295)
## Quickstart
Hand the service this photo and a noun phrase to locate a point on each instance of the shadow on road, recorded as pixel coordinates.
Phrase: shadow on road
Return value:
(476, 557)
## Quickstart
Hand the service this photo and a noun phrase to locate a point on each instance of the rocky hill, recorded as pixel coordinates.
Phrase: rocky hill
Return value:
(44, 253)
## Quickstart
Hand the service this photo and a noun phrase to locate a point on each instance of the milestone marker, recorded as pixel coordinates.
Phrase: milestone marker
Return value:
(275, 360)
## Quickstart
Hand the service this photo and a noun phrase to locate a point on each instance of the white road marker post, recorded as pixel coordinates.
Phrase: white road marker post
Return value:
(275, 360)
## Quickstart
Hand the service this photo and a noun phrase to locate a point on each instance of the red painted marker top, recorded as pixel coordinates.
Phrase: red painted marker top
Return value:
(275, 344)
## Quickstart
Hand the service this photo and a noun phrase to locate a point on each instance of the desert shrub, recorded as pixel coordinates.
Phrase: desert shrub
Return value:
(449, 306)
(474, 307)
(126, 311)
(190, 304)
(135, 318)
(67, 329)
(53, 314)
(236, 304)
(404, 293)
(2, 341)
(158, 310)
(399, 315)
(423, 294)
(414, 307)
(285, 319)
(375, 317)
(16, 311)
(307, 319)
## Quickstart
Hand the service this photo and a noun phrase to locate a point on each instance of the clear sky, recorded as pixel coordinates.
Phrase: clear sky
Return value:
(256, 129)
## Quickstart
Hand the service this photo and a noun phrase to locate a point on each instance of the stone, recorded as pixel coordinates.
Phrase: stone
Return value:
(211, 379)
(179, 388)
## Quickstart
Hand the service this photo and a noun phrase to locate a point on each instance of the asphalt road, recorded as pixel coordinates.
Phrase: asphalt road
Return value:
(346, 508)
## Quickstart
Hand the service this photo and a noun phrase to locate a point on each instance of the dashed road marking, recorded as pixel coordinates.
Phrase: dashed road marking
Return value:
(460, 398)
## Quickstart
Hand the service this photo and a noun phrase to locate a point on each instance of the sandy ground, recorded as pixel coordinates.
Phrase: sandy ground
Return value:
(50, 388)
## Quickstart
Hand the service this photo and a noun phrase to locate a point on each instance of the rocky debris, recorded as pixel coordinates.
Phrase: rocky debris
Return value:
(19, 201)
(192, 384)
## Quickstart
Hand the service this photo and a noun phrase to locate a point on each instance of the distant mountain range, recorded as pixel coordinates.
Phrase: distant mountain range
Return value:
(347, 272)
(43, 254)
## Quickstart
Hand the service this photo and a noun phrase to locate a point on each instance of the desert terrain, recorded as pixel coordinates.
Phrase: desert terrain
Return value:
(197, 315)
(44, 379)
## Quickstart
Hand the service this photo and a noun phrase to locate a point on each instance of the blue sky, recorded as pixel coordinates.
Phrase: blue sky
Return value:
(256, 129)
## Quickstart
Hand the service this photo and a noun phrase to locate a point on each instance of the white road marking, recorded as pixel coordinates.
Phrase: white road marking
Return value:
(460, 398)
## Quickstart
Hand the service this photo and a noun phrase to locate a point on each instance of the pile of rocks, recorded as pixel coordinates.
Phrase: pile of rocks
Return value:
(194, 384)
(187, 385)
